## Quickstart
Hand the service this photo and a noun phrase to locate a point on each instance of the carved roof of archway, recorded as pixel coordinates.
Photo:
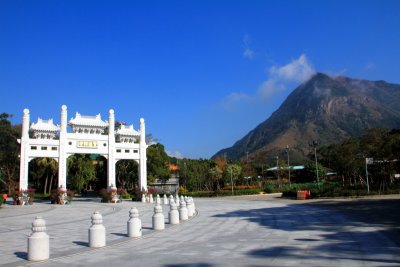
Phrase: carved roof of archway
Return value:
(45, 126)
(92, 121)
(127, 131)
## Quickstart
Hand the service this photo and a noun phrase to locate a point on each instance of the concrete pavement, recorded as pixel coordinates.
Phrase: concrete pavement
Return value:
(225, 232)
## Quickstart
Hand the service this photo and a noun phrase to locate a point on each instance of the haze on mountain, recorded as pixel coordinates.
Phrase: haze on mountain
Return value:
(324, 108)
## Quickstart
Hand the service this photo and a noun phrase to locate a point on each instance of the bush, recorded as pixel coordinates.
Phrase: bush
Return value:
(105, 195)
(59, 196)
(126, 196)
(42, 196)
(225, 192)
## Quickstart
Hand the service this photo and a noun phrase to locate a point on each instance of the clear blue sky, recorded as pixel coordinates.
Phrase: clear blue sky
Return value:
(201, 73)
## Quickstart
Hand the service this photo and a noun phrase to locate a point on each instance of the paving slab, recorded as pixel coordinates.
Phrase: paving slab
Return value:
(247, 231)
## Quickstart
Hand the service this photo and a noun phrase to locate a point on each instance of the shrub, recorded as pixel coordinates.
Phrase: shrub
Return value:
(105, 195)
(237, 192)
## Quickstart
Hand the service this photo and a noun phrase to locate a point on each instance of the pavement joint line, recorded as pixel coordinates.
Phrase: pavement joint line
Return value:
(112, 244)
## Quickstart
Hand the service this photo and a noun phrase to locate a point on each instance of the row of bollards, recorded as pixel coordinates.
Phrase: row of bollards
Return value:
(38, 241)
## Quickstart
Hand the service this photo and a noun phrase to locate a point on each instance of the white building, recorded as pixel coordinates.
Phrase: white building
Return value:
(90, 135)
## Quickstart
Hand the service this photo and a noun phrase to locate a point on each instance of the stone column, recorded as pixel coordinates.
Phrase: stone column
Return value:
(62, 152)
(173, 214)
(38, 241)
(143, 157)
(158, 218)
(183, 212)
(97, 232)
(24, 156)
(134, 223)
(111, 149)
(189, 207)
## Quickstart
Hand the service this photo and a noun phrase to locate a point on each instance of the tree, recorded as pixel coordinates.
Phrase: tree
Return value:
(157, 163)
(49, 167)
(127, 173)
(233, 171)
(80, 171)
(216, 175)
(9, 153)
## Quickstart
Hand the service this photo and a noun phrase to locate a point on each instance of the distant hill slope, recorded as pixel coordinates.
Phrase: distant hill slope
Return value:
(326, 109)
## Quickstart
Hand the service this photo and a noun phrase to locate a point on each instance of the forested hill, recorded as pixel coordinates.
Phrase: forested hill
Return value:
(324, 108)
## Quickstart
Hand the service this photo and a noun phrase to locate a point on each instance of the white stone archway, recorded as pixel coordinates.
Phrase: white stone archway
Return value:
(90, 135)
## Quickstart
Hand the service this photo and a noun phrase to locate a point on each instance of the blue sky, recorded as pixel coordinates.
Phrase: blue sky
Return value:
(201, 73)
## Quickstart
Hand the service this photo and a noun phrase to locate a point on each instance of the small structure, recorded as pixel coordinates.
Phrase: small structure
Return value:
(170, 186)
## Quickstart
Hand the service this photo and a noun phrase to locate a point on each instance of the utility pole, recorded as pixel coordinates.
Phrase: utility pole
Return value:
(314, 144)
(288, 163)
(231, 179)
(367, 161)
(277, 171)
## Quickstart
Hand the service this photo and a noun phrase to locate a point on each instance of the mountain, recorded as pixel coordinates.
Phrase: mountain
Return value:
(324, 108)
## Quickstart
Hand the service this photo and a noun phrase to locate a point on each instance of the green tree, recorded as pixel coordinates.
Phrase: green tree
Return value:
(127, 174)
(216, 175)
(49, 167)
(80, 171)
(233, 171)
(9, 153)
(157, 163)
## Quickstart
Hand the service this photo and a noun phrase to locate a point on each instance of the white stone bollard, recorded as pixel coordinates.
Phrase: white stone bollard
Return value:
(183, 212)
(158, 218)
(143, 198)
(158, 200)
(189, 207)
(38, 241)
(171, 199)
(97, 232)
(173, 214)
(165, 200)
(134, 223)
(151, 200)
(193, 205)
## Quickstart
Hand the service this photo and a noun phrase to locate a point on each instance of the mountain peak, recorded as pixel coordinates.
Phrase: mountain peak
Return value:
(324, 108)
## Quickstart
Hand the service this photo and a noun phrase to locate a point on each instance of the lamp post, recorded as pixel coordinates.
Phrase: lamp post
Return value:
(231, 179)
(314, 144)
(277, 171)
(288, 163)
(367, 161)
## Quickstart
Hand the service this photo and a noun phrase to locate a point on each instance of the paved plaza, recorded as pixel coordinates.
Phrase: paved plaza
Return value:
(236, 231)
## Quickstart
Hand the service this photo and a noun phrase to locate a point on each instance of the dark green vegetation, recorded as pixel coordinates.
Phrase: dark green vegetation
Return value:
(326, 109)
